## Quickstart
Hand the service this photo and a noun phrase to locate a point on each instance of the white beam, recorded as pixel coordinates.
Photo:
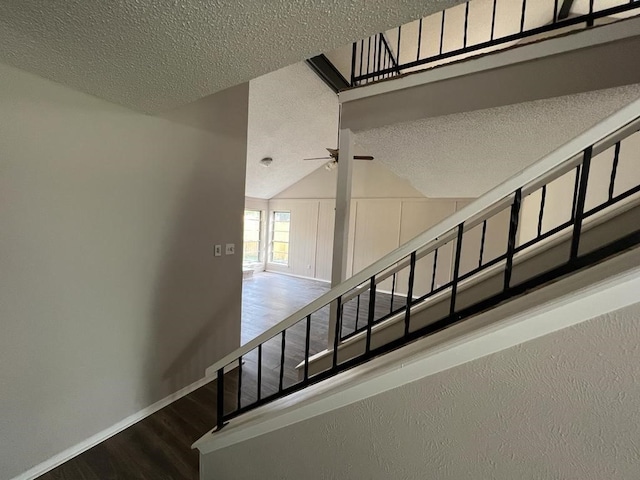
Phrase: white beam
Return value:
(341, 228)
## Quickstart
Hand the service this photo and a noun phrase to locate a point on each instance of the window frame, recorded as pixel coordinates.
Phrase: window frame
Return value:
(260, 236)
(272, 241)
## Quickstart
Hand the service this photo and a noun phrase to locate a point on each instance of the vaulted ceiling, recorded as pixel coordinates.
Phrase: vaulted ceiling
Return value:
(153, 55)
(466, 154)
(436, 155)
(292, 115)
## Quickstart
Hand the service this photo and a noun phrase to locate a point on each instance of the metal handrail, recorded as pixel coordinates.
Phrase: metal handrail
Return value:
(575, 154)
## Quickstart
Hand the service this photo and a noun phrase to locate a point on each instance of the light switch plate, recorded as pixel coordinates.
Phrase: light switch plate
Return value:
(231, 249)
(217, 250)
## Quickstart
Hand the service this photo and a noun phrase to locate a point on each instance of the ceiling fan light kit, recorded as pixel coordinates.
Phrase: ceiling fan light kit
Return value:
(331, 165)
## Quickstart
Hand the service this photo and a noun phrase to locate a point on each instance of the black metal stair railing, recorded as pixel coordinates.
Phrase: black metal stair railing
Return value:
(368, 67)
(267, 368)
(373, 58)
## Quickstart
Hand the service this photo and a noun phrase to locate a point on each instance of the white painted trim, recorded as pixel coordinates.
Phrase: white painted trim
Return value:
(400, 199)
(107, 433)
(298, 276)
(530, 174)
(588, 294)
(211, 374)
(501, 58)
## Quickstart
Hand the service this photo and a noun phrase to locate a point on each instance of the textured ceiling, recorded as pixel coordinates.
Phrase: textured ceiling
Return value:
(154, 55)
(466, 154)
(292, 115)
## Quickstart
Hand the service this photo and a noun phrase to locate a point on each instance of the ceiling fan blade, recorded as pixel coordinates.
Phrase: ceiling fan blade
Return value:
(362, 157)
(318, 158)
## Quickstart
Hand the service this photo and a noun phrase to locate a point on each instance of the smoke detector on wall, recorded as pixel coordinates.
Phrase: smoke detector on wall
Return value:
(266, 161)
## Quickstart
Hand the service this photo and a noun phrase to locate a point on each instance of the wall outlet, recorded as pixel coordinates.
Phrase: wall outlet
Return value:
(231, 249)
(217, 250)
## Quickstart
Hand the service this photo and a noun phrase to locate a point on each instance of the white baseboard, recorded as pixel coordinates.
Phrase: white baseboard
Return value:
(296, 276)
(99, 437)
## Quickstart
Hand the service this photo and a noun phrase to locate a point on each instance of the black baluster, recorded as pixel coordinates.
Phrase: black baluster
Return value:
(393, 290)
(259, 372)
(582, 197)
(456, 270)
(435, 267)
(239, 382)
(590, 18)
(357, 312)
(284, 343)
(371, 313)
(368, 58)
(493, 19)
(336, 338)
(543, 197)
(407, 314)
(555, 11)
(306, 349)
(419, 40)
(466, 25)
(614, 170)
(484, 234)
(524, 8)
(442, 31)
(361, 56)
(354, 53)
(220, 400)
(575, 193)
(398, 49)
(376, 41)
(380, 45)
(511, 243)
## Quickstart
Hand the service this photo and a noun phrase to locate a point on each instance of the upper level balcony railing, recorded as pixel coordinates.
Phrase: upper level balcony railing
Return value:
(472, 28)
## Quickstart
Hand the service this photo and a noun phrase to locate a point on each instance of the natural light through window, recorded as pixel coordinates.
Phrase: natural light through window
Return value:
(251, 245)
(280, 238)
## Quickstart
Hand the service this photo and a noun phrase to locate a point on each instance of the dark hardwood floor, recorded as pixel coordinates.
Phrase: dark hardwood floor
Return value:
(268, 298)
(159, 447)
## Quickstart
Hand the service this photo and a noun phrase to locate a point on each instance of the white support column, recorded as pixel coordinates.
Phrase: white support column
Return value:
(341, 228)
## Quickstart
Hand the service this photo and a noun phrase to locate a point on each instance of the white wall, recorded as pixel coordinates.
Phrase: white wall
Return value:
(110, 296)
(559, 196)
(386, 212)
(370, 180)
(561, 406)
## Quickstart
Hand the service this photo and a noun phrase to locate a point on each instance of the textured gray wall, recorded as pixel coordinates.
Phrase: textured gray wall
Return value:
(563, 406)
(110, 297)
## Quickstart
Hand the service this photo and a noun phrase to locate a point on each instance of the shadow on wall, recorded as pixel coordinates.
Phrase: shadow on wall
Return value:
(196, 311)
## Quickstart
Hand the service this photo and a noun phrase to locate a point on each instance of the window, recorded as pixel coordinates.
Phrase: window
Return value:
(251, 242)
(280, 238)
